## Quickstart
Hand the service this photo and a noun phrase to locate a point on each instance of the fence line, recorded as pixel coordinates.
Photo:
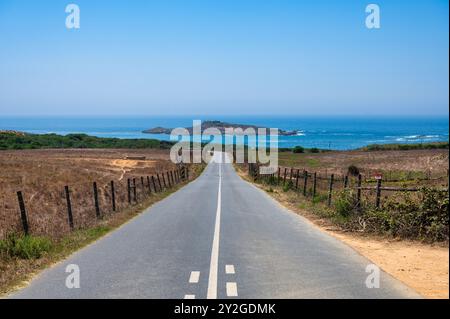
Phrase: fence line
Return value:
(174, 177)
(292, 178)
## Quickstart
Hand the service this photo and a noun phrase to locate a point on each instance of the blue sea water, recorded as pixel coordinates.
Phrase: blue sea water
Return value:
(340, 133)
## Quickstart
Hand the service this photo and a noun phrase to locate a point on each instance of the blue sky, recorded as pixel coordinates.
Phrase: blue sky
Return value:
(224, 57)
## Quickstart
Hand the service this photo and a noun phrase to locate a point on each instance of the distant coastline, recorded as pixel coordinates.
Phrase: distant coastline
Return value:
(16, 140)
(332, 133)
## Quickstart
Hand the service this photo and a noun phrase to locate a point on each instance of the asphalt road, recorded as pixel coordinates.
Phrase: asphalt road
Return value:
(218, 237)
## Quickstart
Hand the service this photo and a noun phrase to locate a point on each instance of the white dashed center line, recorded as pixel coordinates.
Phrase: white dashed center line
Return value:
(232, 289)
(229, 269)
(195, 276)
(189, 296)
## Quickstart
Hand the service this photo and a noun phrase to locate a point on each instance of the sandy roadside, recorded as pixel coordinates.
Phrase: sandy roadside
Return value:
(423, 267)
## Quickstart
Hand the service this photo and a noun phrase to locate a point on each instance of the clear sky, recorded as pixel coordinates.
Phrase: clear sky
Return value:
(224, 57)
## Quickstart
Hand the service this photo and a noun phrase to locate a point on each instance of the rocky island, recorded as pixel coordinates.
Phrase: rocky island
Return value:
(221, 126)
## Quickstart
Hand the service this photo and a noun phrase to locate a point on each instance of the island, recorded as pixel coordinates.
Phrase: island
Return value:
(221, 126)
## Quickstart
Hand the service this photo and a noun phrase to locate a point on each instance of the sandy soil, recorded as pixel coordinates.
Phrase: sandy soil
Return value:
(420, 266)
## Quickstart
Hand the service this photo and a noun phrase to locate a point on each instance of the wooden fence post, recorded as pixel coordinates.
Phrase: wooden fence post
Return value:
(279, 175)
(305, 183)
(154, 184)
(148, 184)
(164, 180)
(290, 174)
(134, 190)
(159, 182)
(23, 213)
(97, 206)
(377, 202)
(358, 192)
(284, 176)
(171, 176)
(129, 190)
(168, 179)
(296, 178)
(69, 207)
(330, 191)
(113, 196)
(183, 173)
(142, 185)
(314, 184)
(345, 181)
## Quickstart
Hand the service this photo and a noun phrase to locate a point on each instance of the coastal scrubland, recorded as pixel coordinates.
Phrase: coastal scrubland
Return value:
(41, 176)
(407, 235)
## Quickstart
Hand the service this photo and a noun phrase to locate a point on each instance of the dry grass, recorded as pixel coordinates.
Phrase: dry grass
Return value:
(99, 165)
(414, 162)
(42, 174)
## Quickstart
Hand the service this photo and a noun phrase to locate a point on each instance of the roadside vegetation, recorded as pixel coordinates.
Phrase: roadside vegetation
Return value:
(405, 147)
(21, 256)
(18, 140)
(421, 213)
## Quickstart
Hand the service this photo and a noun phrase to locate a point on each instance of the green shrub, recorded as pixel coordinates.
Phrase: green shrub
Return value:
(314, 150)
(353, 170)
(35, 141)
(298, 149)
(288, 186)
(272, 180)
(345, 202)
(24, 247)
(425, 218)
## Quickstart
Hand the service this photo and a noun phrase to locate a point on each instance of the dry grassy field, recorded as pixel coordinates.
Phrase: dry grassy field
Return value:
(392, 164)
(42, 174)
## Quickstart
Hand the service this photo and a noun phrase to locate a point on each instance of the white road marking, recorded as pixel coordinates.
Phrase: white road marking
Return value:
(195, 276)
(229, 269)
(232, 289)
(189, 296)
(214, 265)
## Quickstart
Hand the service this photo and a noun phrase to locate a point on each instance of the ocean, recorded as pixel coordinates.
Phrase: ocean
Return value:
(341, 133)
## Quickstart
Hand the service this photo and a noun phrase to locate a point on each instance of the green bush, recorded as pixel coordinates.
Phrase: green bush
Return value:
(425, 218)
(272, 180)
(345, 202)
(353, 170)
(35, 141)
(288, 186)
(298, 149)
(314, 150)
(24, 247)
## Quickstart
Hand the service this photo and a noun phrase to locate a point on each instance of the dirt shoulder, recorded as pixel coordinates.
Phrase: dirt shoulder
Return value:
(423, 267)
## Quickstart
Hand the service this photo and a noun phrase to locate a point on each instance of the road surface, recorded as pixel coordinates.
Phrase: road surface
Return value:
(217, 237)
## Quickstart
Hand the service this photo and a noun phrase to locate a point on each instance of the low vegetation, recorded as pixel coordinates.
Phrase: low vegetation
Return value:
(21, 255)
(24, 247)
(421, 215)
(405, 147)
(17, 141)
